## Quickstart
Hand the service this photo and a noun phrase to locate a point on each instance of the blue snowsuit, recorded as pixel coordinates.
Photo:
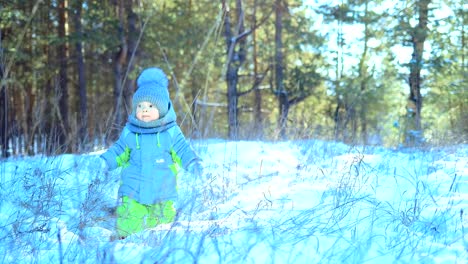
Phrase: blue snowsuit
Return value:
(150, 163)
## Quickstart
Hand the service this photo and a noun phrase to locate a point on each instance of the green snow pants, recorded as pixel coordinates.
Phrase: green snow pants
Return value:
(133, 217)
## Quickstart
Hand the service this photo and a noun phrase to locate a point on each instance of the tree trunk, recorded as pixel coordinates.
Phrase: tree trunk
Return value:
(363, 77)
(26, 98)
(62, 54)
(418, 37)
(234, 61)
(124, 61)
(83, 102)
(231, 75)
(50, 124)
(258, 118)
(340, 110)
(119, 65)
(231, 78)
(279, 73)
(4, 129)
(132, 54)
(337, 118)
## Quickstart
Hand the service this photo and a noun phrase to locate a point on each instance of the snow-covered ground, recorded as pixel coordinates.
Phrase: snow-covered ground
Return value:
(260, 202)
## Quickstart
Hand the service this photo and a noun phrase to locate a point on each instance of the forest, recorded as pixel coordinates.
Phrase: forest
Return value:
(388, 73)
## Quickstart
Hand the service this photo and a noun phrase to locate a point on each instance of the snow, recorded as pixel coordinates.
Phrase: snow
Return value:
(258, 202)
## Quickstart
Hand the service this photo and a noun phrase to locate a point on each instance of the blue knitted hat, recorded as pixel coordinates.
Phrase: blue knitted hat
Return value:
(152, 87)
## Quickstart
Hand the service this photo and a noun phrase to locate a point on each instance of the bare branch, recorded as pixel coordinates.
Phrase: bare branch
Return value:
(253, 28)
(203, 103)
(258, 80)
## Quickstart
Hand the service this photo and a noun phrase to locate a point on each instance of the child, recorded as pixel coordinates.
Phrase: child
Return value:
(150, 150)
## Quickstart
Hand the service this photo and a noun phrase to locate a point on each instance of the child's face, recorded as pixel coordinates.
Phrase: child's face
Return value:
(146, 112)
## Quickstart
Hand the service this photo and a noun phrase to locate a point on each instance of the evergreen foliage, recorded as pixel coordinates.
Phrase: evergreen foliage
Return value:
(346, 74)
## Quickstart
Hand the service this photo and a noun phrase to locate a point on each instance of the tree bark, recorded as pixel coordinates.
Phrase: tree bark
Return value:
(82, 90)
(231, 75)
(258, 118)
(119, 65)
(4, 129)
(340, 112)
(62, 54)
(281, 92)
(49, 127)
(363, 76)
(418, 37)
(133, 54)
(235, 59)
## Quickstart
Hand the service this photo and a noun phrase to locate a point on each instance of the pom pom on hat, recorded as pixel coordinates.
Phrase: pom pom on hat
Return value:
(152, 87)
(153, 76)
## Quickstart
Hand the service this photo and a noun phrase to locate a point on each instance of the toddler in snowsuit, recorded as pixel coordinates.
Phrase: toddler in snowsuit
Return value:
(151, 149)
